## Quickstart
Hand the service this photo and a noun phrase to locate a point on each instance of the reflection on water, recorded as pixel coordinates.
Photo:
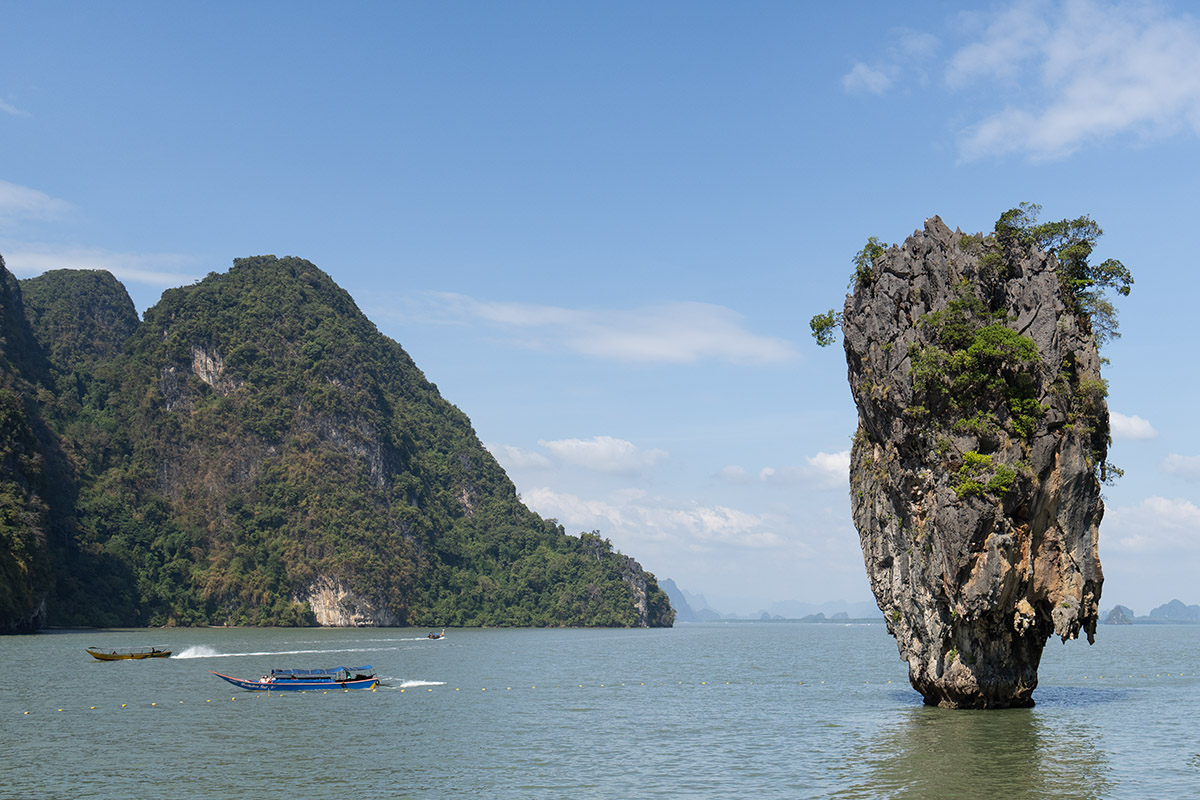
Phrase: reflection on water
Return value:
(938, 753)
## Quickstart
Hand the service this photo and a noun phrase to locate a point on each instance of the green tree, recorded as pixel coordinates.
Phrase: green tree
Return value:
(1072, 241)
(823, 326)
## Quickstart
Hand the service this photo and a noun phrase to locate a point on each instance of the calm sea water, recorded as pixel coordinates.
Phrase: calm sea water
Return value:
(788, 710)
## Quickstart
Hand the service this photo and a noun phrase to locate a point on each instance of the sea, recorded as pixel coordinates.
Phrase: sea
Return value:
(713, 710)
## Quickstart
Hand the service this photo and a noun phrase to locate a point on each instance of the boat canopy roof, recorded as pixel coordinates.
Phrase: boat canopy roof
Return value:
(316, 673)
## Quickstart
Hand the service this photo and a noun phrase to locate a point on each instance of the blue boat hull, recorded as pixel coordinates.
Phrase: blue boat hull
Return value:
(298, 685)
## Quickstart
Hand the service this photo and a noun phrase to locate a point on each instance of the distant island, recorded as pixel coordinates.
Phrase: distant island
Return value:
(695, 608)
(1172, 613)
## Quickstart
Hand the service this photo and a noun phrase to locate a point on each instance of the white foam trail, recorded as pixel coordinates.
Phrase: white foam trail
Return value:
(203, 651)
(411, 684)
(198, 651)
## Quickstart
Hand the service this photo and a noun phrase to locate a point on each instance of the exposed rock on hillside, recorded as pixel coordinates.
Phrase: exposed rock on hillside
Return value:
(974, 472)
(333, 605)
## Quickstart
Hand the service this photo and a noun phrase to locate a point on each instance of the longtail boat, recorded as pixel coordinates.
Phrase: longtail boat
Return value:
(122, 655)
(307, 680)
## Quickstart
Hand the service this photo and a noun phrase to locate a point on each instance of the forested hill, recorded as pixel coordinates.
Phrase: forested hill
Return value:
(255, 452)
(28, 458)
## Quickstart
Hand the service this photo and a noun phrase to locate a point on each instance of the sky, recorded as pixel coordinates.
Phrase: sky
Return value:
(601, 228)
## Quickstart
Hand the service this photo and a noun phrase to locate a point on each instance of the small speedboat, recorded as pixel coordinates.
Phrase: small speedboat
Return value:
(123, 655)
(306, 680)
(437, 635)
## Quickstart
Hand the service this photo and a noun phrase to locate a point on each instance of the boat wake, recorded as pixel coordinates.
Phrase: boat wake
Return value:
(204, 651)
(198, 651)
(411, 684)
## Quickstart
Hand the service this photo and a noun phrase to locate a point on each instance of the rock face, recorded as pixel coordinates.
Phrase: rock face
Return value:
(334, 605)
(974, 470)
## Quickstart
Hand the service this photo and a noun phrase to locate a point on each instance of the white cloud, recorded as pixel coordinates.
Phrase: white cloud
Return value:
(21, 202)
(733, 474)
(866, 79)
(824, 471)
(1186, 467)
(1157, 524)
(1132, 427)
(26, 260)
(681, 332)
(908, 53)
(638, 517)
(833, 467)
(9, 108)
(1010, 39)
(1081, 71)
(604, 454)
(512, 457)
(915, 45)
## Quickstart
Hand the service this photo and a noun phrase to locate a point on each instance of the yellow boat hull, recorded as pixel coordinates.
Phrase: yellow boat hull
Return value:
(124, 655)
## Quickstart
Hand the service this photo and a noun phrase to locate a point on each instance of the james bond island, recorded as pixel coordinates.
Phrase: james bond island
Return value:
(982, 444)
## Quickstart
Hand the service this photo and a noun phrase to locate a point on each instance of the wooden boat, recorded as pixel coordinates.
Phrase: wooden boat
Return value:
(307, 680)
(123, 655)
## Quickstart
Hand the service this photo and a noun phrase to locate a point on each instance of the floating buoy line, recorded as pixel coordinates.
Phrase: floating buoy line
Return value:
(260, 696)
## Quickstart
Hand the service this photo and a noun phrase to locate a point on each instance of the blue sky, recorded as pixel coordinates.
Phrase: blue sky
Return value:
(601, 228)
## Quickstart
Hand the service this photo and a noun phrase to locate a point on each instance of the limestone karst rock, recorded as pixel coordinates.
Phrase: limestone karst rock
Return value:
(974, 474)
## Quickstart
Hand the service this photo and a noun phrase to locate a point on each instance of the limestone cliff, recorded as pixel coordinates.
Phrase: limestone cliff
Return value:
(974, 472)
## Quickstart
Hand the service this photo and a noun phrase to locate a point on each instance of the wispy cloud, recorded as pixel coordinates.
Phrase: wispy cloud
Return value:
(1006, 43)
(159, 270)
(733, 474)
(513, 457)
(21, 202)
(604, 454)
(680, 333)
(1079, 72)
(634, 516)
(1131, 427)
(906, 56)
(823, 471)
(1186, 467)
(599, 454)
(10, 109)
(1157, 524)
(871, 80)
